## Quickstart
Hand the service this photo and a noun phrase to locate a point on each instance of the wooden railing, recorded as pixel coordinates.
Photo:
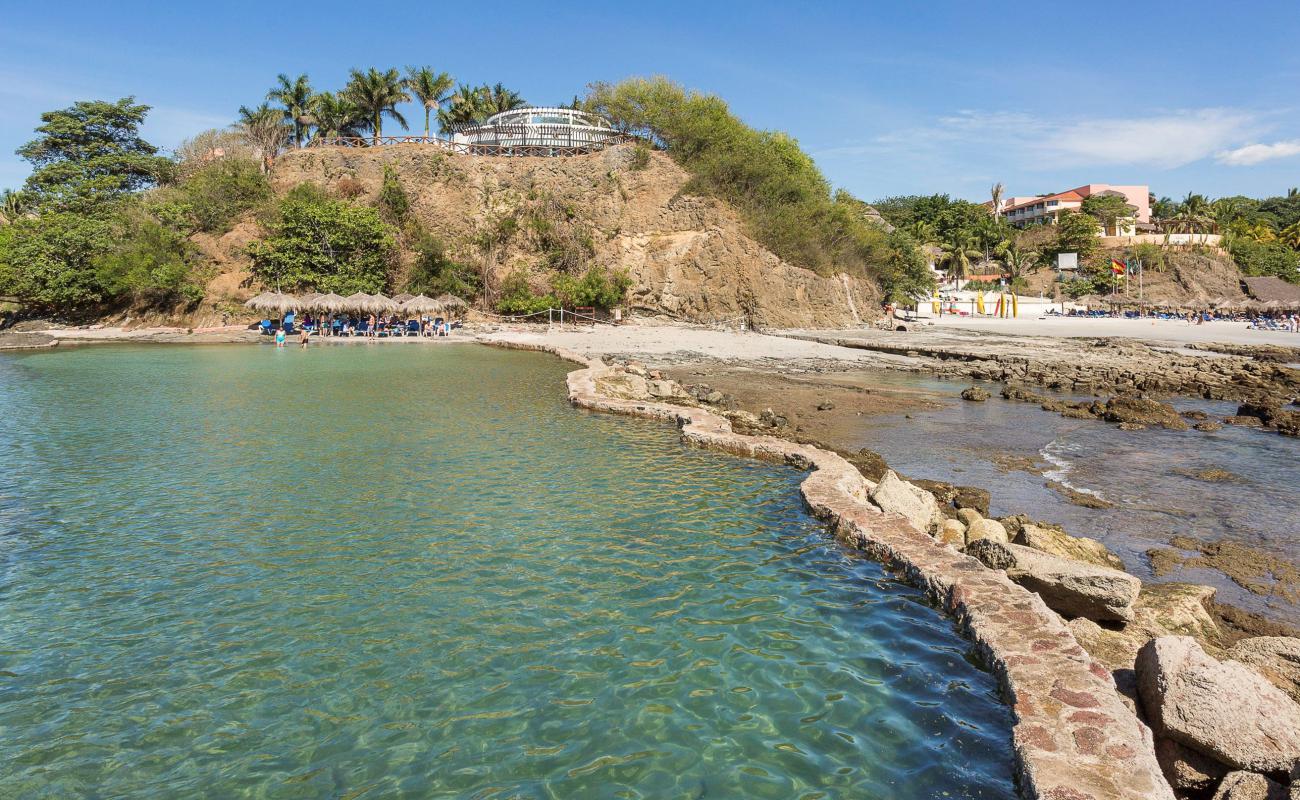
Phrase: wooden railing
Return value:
(472, 149)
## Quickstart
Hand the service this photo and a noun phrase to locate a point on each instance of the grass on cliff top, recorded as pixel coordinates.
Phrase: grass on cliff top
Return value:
(784, 199)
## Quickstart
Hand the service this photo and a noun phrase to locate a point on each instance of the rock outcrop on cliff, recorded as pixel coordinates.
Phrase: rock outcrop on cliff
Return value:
(689, 256)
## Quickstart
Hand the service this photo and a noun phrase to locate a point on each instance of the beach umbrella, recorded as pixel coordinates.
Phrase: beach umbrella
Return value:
(332, 302)
(422, 305)
(402, 298)
(260, 302)
(358, 301)
(379, 303)
(452, 301)
(309, 301)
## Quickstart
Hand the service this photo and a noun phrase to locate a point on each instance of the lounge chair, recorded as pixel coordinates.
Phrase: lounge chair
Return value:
(288, 328)
(362, 329)
(265, 327)
(412, 327)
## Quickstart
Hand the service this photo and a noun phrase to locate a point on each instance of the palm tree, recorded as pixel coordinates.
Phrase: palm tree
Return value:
(499, 99)
(264, 129)
(1193, 214)
(295, 97)
(996, 193)
(430, 88)
(14, 203)
(335, 115)
(1290, 236)
(376, 94)
(1017, 259)
(958, 254)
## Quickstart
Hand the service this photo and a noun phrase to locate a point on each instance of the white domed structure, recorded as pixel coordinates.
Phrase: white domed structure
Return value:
(536, 131)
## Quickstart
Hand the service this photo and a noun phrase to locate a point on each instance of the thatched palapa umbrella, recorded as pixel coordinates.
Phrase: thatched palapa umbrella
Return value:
(452, 303)
(358, 301)
(402, 298)
(273, 301)
(422, 305)
(379, 304)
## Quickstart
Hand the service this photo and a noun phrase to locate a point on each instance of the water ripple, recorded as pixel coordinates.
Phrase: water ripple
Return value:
(416, 572)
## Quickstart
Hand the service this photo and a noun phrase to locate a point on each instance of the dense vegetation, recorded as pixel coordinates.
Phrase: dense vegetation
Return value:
(1263, 236)
(785, 200)
(82, 235)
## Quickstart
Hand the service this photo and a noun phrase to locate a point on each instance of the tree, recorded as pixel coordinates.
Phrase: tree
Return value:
(1193, 215)
(14, 203)
(90, 154)
(48, 262)
(958, 253)
(1076, 232)
(430, 89)
(996, 194)
(322, 243)
(376, 95)
(335, 115)
(1018, 260)
(1290, 236)
(264, 130)
(1108, 209)
(498, 99)
(296, 98)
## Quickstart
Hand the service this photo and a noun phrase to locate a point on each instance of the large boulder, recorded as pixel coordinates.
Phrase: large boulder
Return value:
(1060, 543)
(1221, 709)
(895, 495)
(1071, 588)
(952, 532)
(1162, 609)
(1249, 786)
(1275, 657)
(990, 529)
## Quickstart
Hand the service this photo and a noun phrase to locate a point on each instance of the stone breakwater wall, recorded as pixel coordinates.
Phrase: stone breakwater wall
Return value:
(1073, 736)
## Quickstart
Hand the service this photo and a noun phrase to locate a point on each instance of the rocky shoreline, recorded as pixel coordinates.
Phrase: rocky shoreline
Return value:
(1073, 736)
(1109, 612)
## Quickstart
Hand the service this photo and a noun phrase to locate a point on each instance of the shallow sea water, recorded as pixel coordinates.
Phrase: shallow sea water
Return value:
(1149, 476)
(364, 572)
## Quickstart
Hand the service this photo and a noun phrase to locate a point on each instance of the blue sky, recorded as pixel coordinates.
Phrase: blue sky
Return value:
(890, 98)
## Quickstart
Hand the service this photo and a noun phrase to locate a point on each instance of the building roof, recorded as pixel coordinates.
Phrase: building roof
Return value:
(1270, 288)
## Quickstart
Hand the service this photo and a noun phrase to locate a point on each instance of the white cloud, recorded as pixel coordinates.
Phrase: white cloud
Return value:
(1166, 140)
(1252, 154)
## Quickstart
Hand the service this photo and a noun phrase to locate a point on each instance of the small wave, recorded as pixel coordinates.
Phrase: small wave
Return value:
(1054, 453)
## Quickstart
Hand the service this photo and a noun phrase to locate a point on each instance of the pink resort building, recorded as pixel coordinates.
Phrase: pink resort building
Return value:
(1037, 209)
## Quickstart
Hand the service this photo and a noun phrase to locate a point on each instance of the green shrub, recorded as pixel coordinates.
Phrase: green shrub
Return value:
(434, 272)
(516, 296)
(216, 194)
(598, 287)
(150, 264)
(47, 262)
(393, 201)
(783, 198)
(640, 157)
(1265, 258)
(322, 243)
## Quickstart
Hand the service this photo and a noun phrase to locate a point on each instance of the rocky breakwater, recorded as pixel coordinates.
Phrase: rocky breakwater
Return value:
(1109, 612)
(1074, 736)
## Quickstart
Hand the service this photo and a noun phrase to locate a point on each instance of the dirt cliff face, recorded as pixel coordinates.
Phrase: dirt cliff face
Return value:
(689, 256)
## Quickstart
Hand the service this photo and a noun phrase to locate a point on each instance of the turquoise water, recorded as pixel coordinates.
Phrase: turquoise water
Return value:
(369, 571)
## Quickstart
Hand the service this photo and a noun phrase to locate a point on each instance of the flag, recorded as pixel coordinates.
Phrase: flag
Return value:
(1118, 267)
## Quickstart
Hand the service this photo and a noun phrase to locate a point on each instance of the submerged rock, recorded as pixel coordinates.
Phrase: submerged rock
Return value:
(1137, 410)
(1069, 587)
(975, 394)
(1221, 709)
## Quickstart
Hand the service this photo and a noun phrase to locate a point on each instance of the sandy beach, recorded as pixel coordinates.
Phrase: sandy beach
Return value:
(1155, 331)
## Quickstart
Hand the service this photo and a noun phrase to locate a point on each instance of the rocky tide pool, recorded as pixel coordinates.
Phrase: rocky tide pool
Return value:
(364, 572)
(1237, 484)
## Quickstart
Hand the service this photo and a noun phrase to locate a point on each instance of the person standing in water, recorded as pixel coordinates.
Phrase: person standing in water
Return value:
(303, 336)
(279, 337)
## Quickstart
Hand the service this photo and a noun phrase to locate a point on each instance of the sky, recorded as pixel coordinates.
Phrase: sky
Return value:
(889, 98)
